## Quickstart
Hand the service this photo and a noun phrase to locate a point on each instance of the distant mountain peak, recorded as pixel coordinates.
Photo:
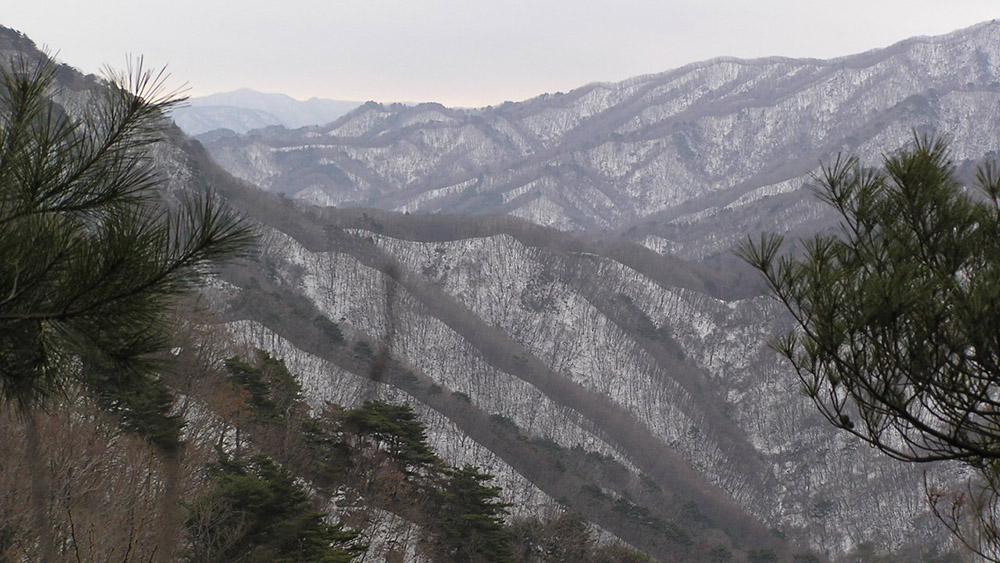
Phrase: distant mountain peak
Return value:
(246, 109)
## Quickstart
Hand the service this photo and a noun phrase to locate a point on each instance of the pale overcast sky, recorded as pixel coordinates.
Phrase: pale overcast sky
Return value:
(461, 52)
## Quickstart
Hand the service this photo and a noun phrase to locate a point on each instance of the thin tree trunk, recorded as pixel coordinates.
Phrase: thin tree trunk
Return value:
(40, 489)
(168, 533)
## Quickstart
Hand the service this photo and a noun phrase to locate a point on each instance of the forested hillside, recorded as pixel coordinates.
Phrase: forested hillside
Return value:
(414, 387)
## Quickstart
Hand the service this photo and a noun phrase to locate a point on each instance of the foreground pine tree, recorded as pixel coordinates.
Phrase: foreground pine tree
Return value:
(93, 255)
(472, 527)
(257, 512)
(897, 318)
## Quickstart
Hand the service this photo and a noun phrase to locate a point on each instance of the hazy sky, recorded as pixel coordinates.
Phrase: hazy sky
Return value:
(460, 53)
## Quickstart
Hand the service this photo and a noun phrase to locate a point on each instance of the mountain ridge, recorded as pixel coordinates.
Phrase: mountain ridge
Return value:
(610, 156)
(245, 109)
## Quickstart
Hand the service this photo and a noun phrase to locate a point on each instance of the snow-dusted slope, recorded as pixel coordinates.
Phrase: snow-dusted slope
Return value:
(579, 350)
(670, 156)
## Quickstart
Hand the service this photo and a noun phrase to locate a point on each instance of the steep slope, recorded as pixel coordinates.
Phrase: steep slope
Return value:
(500, 326)
(664, 159)
(508, 333)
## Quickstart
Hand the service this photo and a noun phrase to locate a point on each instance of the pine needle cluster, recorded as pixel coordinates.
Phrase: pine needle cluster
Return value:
(897, 317)
(92, 253)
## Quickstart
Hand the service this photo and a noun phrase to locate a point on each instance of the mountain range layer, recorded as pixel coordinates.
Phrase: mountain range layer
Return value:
(685, 162)
(534, 334)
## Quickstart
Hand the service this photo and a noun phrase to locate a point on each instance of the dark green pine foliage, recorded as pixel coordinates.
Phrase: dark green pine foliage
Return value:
(92, 255)
(897, 318)
(142, 405)
(472, 527)
(275, 394)
(395, 428)
(327, 456)
(329, 329)
(256, 512)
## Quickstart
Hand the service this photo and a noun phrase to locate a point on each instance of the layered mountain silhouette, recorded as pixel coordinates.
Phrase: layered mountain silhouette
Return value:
(684, 161)
(243, 110)
(541, 282)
